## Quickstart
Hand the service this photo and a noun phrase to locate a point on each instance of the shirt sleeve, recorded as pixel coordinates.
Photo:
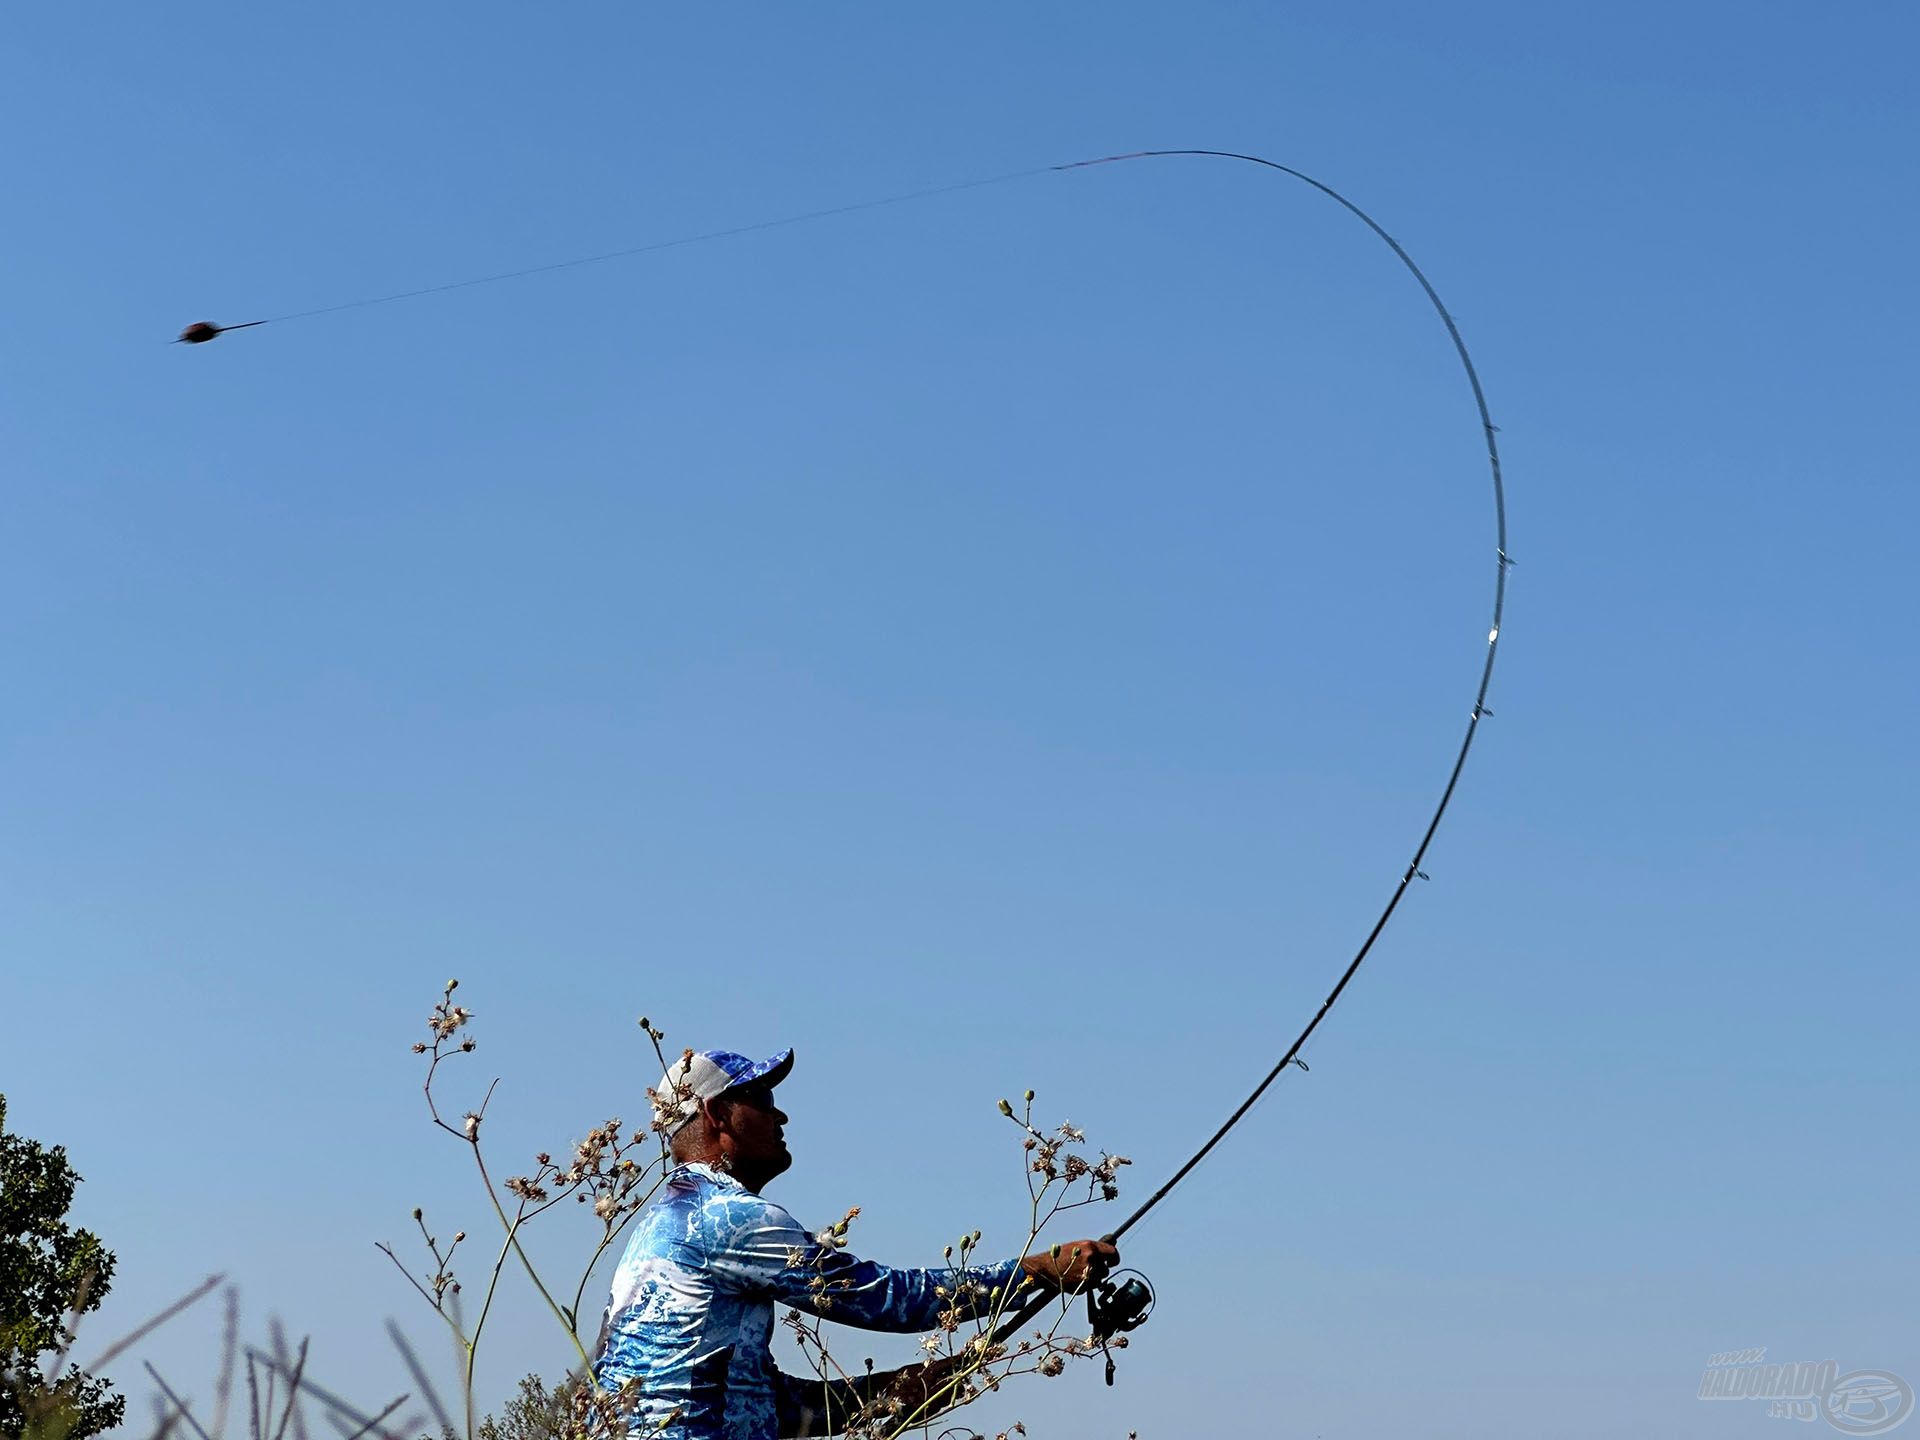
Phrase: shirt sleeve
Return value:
(761, 1249)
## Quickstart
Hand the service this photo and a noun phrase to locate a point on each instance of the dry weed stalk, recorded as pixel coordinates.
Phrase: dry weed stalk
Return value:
(278, 1388)
(614, 1171)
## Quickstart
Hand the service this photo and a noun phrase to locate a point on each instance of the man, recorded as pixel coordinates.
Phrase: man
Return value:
(691, 1315)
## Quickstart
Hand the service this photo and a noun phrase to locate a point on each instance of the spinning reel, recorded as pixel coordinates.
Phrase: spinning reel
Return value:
(1119, 1303)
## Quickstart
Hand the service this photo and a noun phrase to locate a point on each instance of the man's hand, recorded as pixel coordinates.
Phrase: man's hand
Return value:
(810, 1408)
(927, 1386)
(1072, 1266)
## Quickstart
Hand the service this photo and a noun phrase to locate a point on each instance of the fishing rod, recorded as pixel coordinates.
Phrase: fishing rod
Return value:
(1503, 562)
(1118, 1303)
(1121, 1302)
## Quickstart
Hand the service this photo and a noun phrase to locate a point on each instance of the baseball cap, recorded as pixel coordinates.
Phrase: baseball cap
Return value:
(703, 1074)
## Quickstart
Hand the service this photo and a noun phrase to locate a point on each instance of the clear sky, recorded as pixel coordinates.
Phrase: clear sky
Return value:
(1011, 639)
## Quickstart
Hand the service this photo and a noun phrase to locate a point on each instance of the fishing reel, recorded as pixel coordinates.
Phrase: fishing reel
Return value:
(1119, 1303)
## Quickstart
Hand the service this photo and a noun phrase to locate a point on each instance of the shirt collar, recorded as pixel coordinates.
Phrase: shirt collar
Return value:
(710, 1174)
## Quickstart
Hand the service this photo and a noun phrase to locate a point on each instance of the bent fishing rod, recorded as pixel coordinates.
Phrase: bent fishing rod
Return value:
(1119, 1303)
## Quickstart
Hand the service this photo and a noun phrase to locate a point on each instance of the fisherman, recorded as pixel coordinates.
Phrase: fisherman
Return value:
(688, 1325)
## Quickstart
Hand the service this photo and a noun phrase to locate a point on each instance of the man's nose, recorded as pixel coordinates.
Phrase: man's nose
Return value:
(779, 1115)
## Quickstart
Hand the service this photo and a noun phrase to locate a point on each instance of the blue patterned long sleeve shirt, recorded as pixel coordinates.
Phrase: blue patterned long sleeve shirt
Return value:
(691, 1313)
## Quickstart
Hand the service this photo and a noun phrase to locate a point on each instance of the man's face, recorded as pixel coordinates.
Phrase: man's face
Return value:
(757, 1129)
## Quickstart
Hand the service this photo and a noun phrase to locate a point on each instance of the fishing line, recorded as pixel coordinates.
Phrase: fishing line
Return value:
(203, 331)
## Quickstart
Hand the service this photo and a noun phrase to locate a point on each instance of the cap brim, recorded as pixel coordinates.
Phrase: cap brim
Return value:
(769, 1072)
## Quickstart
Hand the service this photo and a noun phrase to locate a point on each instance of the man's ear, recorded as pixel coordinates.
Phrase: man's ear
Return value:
(717, 1113)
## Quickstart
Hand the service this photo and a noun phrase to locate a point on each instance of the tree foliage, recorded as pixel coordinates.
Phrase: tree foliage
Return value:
(534, 1413)
(50, 1275)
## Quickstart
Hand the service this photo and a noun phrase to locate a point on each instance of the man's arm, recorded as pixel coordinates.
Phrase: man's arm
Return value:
(762, 1250)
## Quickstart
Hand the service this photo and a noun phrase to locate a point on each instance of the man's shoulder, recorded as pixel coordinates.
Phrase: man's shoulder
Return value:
(701, 1184)
(701, 1190)
(717, 1213)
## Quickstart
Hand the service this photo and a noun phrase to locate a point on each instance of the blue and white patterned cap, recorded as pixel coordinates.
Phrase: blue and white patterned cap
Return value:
(703, 1074)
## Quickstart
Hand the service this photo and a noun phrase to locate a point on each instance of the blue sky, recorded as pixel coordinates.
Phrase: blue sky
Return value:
(1011, 639)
